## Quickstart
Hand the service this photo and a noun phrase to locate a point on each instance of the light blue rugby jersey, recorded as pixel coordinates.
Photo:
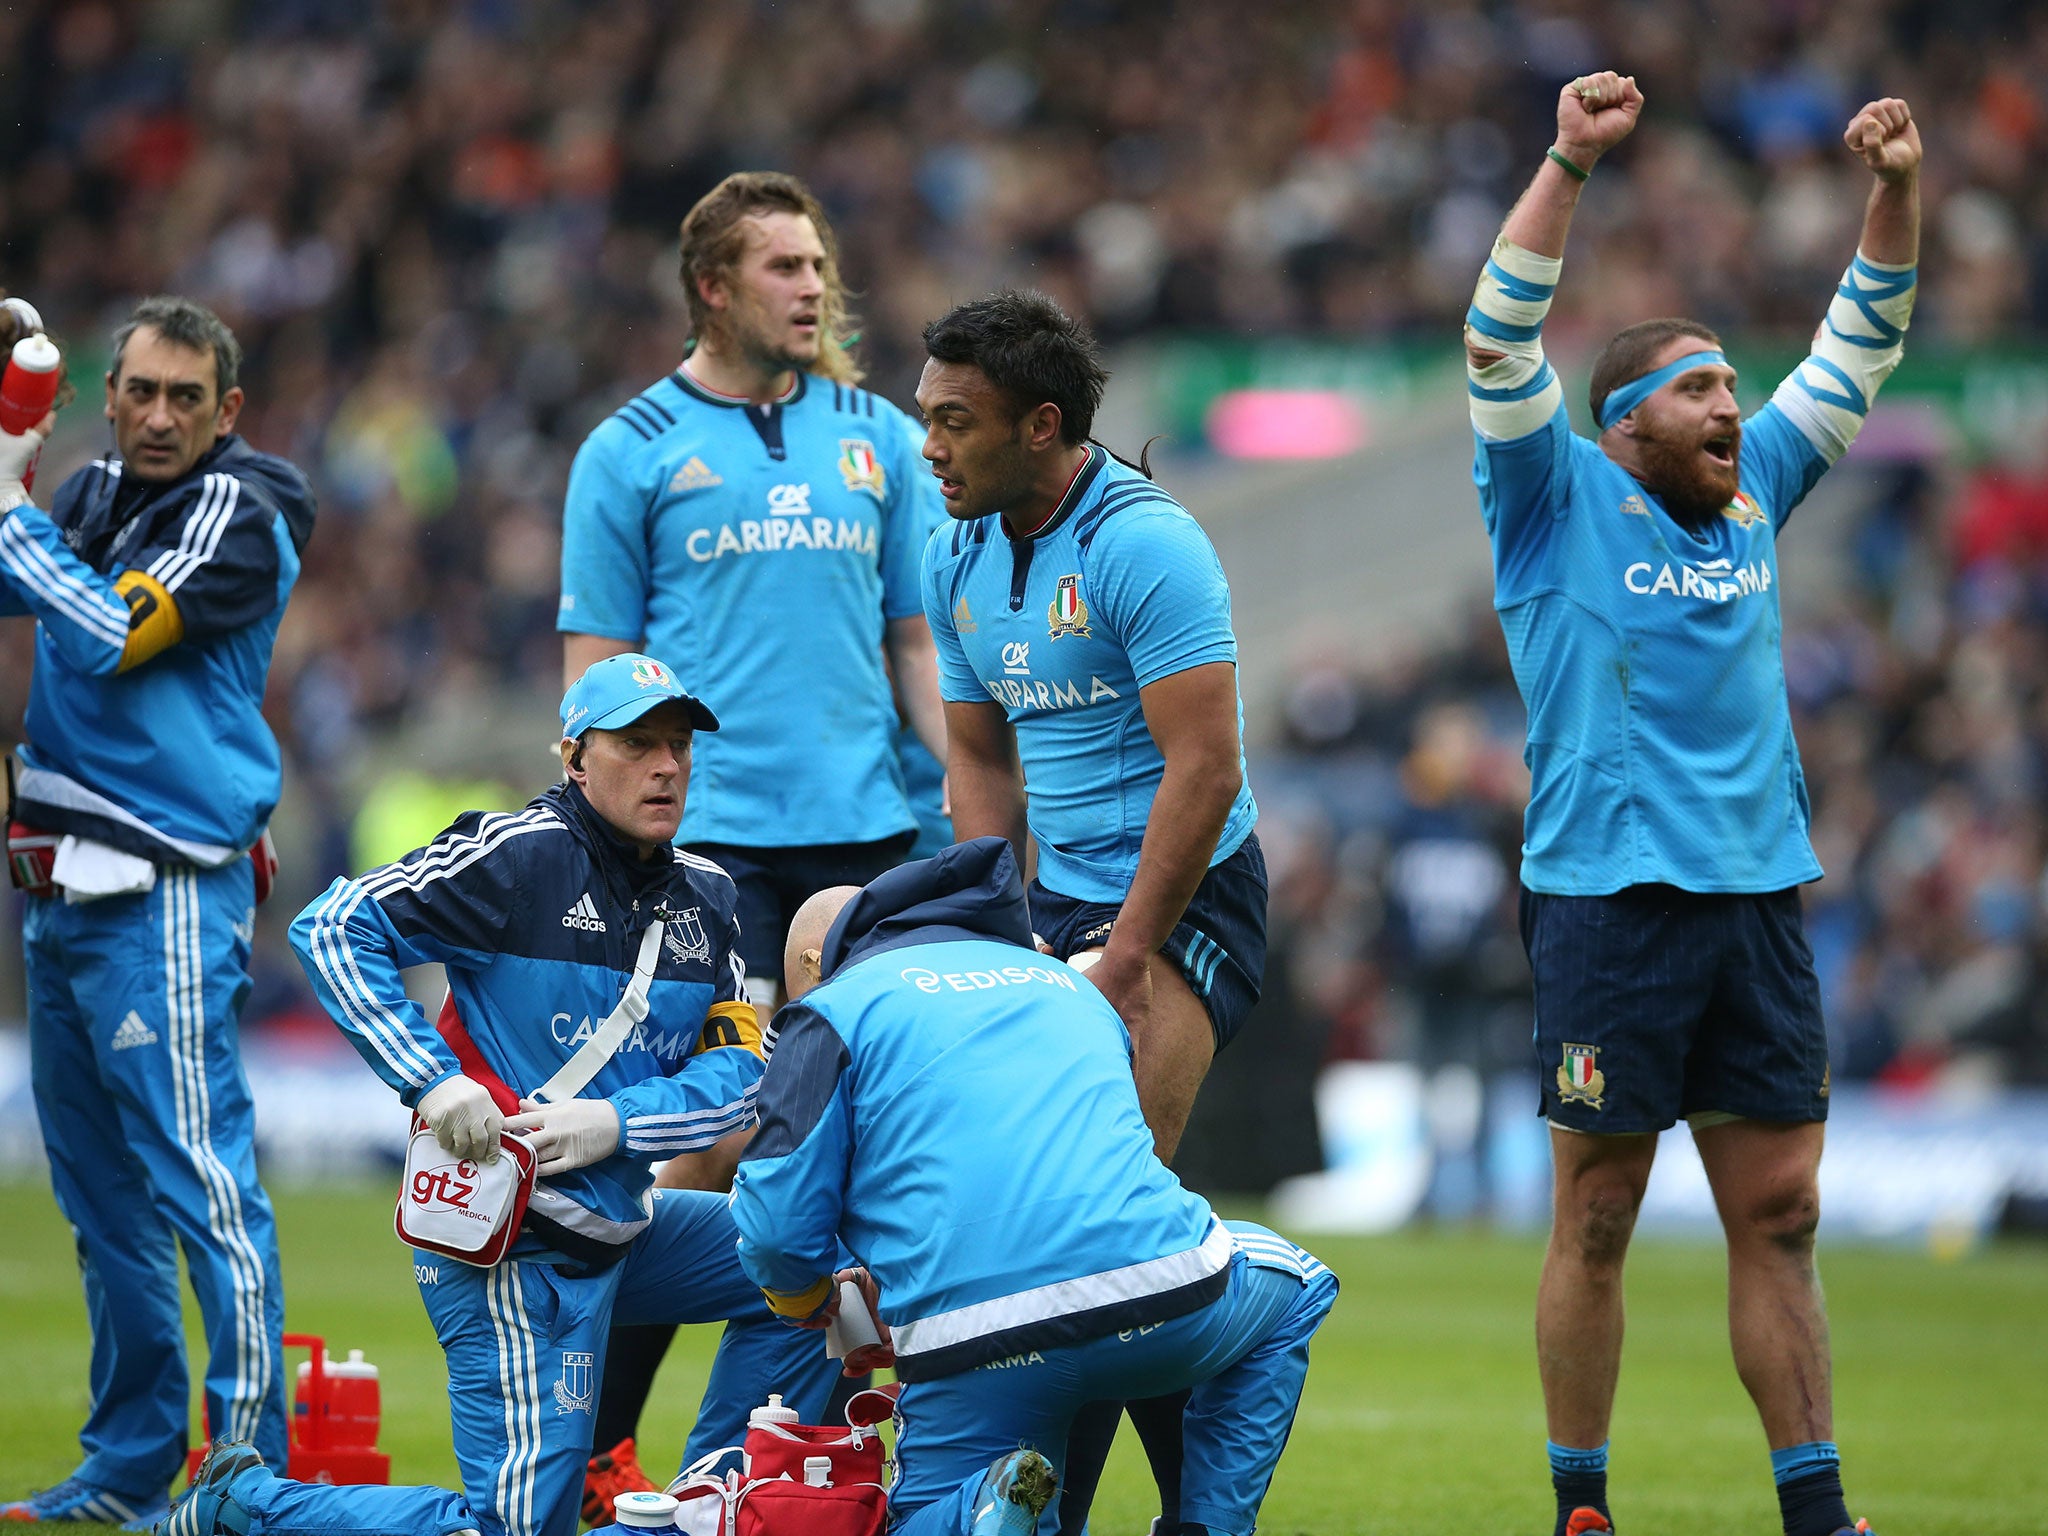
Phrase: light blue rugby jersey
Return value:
(1119, 589)
(1660, 743)
(759, 550)
(1660, 737)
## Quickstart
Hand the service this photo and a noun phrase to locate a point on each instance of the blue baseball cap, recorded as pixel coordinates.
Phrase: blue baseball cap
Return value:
(620, 689)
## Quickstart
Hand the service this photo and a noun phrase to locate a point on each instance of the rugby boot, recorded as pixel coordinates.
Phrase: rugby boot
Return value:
(610, 1474)
(215, 1503)
(76, 1501)
(1014, 1493)
(1587, 1521)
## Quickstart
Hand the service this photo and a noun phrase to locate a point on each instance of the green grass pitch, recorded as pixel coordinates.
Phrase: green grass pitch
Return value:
(1421, 1413)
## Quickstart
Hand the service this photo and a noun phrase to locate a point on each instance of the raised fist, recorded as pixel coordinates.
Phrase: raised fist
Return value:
(1595, 113)
(1883, 136)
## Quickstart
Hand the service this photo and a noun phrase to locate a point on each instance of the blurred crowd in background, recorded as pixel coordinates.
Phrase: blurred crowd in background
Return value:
(445, 231)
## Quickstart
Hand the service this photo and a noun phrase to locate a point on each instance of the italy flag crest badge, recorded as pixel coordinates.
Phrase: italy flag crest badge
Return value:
(859, 467)
(1743, 511)
(1579, 1080)
(1067, 615)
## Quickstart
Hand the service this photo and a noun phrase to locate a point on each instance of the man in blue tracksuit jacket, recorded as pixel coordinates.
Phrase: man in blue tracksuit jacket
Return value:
(539, 917)
(960, 1111)
(158, 578)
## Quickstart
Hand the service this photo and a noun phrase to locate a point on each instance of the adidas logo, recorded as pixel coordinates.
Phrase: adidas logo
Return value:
(963, 618)
(696, 475)
(133, 1032)
(584, 915)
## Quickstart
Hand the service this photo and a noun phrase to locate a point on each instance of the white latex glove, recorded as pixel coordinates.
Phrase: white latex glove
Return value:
(572, 1134)
(17, 459)
(464, 1119)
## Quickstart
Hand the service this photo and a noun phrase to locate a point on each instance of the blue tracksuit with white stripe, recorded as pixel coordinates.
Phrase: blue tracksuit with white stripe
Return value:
(158, 605)
(960, 1111)
(537, 917)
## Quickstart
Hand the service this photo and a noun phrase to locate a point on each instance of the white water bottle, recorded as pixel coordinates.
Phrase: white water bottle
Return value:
(645, 1511)
(772, 1412)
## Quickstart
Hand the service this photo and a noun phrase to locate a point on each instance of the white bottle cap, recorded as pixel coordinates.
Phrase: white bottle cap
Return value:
(772, 1412)
(355, 1367)
(645, 1511)
(36, 354)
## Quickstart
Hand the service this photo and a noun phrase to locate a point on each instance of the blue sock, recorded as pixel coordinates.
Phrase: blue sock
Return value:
(1809, 1479)
(1580, 1479)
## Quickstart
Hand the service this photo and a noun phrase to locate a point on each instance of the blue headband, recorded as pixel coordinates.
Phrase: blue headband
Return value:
(1621, 401)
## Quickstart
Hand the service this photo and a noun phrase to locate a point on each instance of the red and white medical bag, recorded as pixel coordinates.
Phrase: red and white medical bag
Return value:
(795, 1480)
(472, 1211)
(462, 1209)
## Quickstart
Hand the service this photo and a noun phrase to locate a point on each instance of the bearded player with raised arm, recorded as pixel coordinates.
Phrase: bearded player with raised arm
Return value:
(1636, 579)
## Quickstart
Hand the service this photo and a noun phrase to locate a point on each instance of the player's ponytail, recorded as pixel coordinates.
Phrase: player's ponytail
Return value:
(1144, 464)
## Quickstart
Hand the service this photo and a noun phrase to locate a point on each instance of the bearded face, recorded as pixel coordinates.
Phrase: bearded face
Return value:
(1688, 443)
(1695, 473)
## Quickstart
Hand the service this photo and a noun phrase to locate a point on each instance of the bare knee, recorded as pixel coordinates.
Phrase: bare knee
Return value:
(1784, 1217)
(1608, 1221)
(1595, 1219)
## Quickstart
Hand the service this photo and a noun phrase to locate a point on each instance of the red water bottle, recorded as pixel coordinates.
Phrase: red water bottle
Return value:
(347, 1418)
(29, 387)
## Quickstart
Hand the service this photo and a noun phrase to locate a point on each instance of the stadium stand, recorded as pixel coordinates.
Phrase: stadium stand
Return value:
(446, 236)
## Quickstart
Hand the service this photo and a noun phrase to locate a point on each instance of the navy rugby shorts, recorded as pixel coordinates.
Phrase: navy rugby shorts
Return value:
(1219, 942)
(1656, 1003)
(773, 882)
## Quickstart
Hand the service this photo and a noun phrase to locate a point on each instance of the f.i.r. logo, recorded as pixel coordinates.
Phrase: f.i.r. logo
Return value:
(1067, 615)
(1579, 1081)
(573, 1392)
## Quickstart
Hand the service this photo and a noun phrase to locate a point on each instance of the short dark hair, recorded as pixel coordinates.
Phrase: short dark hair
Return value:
(1031, 350)
(185, 323)
(1627, 356)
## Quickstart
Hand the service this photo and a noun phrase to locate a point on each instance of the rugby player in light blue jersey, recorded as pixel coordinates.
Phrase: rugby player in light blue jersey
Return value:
(1636, 578)
(754, 520)
(1090, 677)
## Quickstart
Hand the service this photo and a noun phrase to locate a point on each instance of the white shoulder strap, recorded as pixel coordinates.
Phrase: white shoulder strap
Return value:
(575, 1074)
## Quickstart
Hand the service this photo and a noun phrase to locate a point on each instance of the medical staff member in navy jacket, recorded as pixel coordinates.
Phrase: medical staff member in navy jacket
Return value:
(540, 918)
(157, 578)
(959, 1110)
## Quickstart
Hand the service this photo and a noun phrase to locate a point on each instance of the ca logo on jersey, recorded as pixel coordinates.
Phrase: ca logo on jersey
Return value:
(1067, 615)
(859, 467)
(1743, 511)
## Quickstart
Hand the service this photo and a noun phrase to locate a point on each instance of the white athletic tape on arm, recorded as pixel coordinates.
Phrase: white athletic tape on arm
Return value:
(1855, 350)
(1514, 395)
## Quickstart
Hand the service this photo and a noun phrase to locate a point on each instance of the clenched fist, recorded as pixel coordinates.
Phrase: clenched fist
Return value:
(1883, 136)
(1595, 113)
